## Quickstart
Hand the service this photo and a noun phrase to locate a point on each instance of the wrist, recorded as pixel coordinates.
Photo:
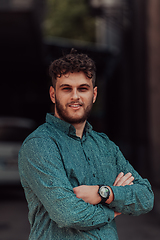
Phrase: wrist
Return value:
(111, 196)
(99, 199)
(106, 194)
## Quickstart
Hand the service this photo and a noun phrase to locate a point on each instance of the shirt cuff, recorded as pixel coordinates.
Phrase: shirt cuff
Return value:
(119, 197)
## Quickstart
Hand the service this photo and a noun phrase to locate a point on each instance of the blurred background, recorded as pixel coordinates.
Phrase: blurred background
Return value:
(122, 36)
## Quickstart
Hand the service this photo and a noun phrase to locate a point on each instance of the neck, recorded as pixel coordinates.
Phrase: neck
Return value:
(79, 128)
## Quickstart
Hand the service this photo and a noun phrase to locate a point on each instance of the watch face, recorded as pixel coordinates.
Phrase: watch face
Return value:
(104, 192)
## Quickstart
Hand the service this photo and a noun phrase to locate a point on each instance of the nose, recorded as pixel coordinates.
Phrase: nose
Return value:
(75, 94)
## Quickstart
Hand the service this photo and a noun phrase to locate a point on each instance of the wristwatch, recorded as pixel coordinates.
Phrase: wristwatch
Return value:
(104, 193)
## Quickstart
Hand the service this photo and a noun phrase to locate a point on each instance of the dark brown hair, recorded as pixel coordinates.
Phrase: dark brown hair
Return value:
(73, 62)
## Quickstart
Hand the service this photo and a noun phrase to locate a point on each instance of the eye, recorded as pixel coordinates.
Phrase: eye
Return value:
(83, 89)
(66, 89)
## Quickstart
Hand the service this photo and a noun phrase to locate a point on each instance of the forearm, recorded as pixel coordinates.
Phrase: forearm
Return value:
(130, 193)
(71, 212)
(84, 216)
(125, 197)
(133, 200)
(90, 193)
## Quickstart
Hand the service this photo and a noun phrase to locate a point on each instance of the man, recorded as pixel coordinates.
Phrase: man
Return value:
(76, 180)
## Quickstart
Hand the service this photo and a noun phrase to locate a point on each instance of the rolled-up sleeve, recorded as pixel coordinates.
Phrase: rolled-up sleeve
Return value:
(133, 199)
(43, 173)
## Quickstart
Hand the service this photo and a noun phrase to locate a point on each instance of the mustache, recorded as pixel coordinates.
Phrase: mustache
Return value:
(75, 102)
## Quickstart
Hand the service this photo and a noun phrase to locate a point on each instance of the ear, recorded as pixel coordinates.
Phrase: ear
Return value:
(94, 94)
(52, 94)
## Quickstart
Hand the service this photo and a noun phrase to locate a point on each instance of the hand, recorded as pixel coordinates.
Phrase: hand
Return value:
(89, 194)
(123, 180)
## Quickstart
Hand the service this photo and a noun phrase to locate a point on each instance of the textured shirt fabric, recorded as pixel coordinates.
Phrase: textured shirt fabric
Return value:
(53, 160)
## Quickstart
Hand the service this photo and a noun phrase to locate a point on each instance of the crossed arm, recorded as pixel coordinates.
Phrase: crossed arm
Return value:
(90, 193)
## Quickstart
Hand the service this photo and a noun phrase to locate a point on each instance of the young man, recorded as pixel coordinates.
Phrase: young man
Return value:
(76, 180)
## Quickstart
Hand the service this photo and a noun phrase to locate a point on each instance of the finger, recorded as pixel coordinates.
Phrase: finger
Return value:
(116, 214)
(122, 181)
(120, 175)
(129, 181)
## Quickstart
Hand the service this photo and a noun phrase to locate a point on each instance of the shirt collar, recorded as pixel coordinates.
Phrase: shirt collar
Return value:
(65, 127)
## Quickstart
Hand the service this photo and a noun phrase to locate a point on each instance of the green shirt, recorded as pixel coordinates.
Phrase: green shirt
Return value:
(53, 160)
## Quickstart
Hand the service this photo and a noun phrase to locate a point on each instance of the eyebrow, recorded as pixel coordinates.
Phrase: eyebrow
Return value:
(68, 85)
(85, 85)
(65, 85)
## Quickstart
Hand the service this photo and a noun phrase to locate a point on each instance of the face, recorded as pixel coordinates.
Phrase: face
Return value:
(73, 96)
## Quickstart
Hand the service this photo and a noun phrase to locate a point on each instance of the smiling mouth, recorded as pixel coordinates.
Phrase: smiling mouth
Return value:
(75, 105)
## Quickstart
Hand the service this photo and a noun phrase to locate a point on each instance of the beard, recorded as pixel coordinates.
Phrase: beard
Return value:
(63, 114)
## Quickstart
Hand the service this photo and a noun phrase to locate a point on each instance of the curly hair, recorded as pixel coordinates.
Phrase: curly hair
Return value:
(73, 62)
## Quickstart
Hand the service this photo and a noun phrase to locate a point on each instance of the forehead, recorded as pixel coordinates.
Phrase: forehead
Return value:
(73, 79)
